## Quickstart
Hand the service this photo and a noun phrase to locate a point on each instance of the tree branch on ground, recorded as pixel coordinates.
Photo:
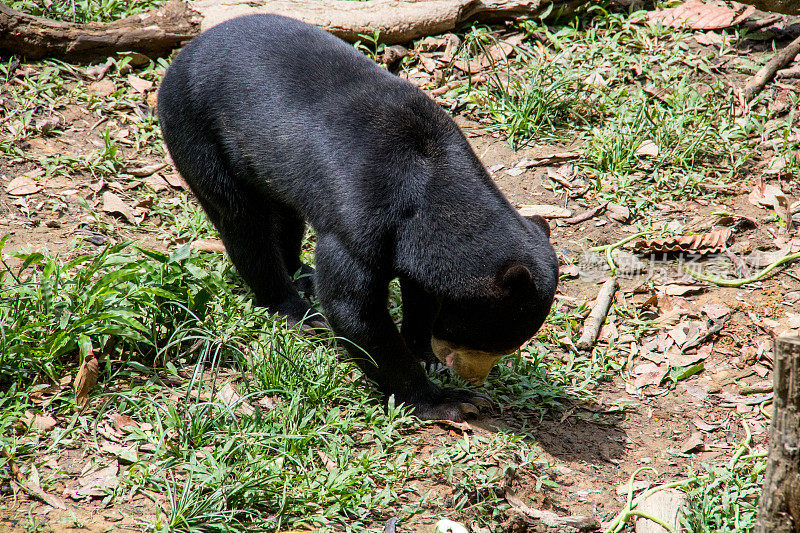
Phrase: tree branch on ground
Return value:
(155, 32)
(158, 31)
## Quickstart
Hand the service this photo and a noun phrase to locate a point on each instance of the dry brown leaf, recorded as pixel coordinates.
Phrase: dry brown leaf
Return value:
(700, 15)
(697, 391)
(175, 179)
(269, 402)
(86, 380)
(693, 444)
(708, 38)
(433, 44)
(471, 67)
(544, 210)
(99, 482)
(208, 245)
(97, 186)
(152, 99)
(595, 79)
(136, 59)
(649, 374)
(549, 159)
(678, 359)
(702, 243)
(113, 204)
(766, 195)
(230, 396)
(22, 186)
(15, 471)
(156, 182)
(144, 170)
(586, 215)
(39, 422)
(46, 125)
(428, 63)
(97, 72)
(702, 425)
(680, 289)
(715, 310)
(102, 87)
(500, 51)
(139, 85)
(618, 213)
(144, 205)
(330, 466)
(549, 519)
(123, 423)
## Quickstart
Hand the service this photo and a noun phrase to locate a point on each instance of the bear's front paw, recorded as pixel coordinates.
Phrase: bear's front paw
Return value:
(457, 405)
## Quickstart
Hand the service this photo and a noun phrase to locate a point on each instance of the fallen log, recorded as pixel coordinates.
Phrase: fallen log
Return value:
(397, 21)
(156, 32)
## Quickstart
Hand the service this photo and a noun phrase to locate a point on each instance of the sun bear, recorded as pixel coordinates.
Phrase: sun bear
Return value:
(274, 123)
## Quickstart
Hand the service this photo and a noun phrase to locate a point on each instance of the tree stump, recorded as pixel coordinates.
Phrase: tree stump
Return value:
(779, 505)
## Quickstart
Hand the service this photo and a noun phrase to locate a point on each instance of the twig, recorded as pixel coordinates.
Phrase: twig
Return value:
(592, 325)
(586, 215)
(722, 282)
(766, 73)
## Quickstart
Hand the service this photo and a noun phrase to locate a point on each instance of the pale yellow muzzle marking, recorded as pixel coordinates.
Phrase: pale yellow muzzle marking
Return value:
(471, 365)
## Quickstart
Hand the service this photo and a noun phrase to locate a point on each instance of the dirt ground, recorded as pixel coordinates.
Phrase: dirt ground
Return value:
(673, 428)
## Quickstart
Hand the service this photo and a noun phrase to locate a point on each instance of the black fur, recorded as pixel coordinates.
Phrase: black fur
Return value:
(274, 122)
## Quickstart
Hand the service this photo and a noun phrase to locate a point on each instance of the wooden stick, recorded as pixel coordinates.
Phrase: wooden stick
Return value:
(766, 73)
(154, 32)
(158, 31)
(593, 323)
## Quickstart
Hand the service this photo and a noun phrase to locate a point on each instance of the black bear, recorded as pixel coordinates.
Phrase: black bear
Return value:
(273, 122)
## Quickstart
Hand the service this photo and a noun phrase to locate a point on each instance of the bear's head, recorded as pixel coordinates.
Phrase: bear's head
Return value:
(471, 334)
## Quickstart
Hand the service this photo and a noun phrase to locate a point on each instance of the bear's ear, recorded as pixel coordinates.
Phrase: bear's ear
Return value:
(541, 222)
(515, 277)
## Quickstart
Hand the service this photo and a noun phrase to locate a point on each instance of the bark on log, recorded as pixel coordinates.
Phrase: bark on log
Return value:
(153, 33)
(157, 32)
(398, 21)
(779, 505)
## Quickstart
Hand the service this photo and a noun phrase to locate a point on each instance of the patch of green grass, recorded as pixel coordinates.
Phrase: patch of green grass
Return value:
(610, 82)
(726, 500)
(117, 302)
(317, 449)
(46, 88)
(83, 10)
